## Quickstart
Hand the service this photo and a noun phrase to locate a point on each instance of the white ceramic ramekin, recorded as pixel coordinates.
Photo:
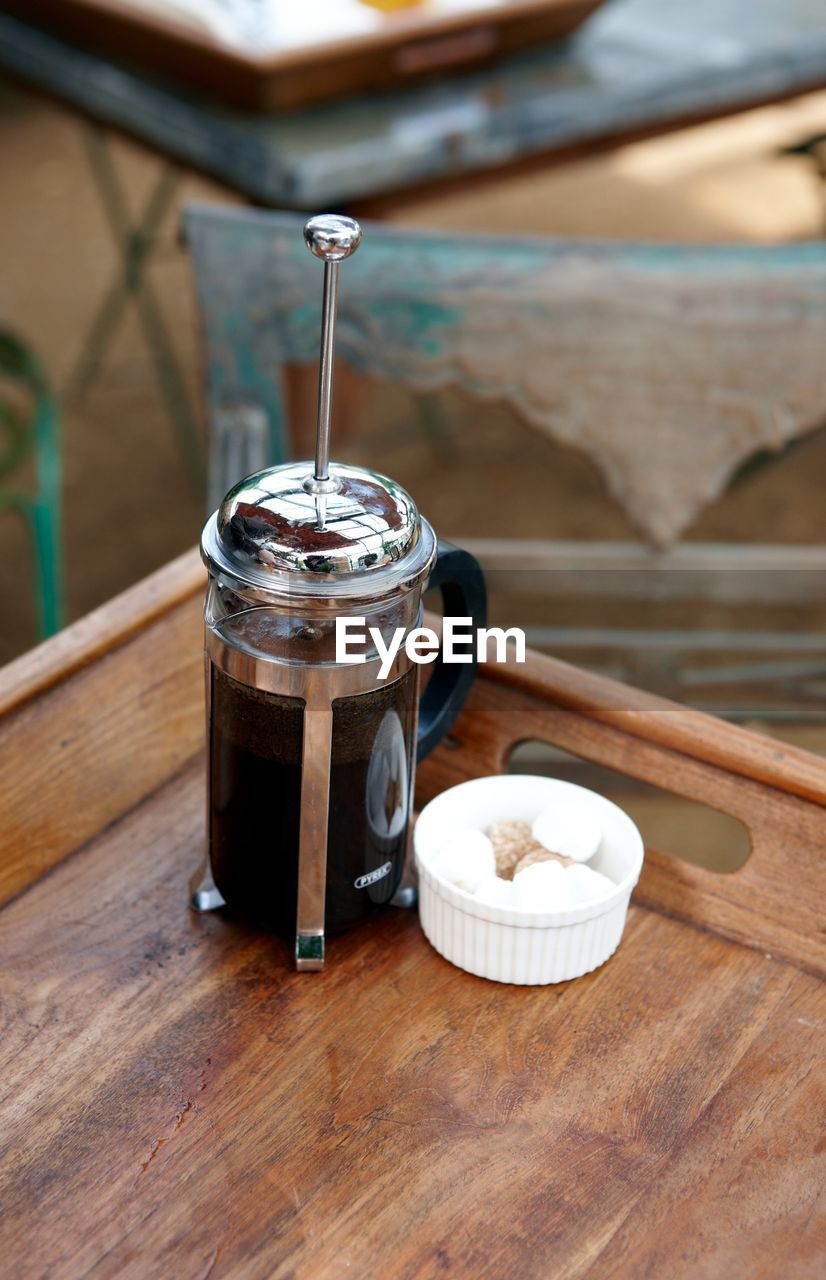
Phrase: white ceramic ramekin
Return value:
(517, 946)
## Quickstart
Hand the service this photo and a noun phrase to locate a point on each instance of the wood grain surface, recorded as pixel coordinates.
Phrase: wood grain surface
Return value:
(176, 1100)
(126, 715)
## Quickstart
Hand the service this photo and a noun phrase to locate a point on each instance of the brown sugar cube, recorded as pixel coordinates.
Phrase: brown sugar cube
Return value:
(540, 854)
(511, 841)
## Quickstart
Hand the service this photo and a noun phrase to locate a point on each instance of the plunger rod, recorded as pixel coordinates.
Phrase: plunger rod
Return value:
(332, 239)
(325, 372)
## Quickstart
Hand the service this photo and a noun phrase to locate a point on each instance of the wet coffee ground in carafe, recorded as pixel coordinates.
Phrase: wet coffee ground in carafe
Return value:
(255, 799)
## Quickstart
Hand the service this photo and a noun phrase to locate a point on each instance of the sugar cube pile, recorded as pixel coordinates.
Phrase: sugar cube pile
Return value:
(536, 867)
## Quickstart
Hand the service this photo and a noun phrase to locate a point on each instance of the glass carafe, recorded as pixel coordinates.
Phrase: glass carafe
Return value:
(311, 760)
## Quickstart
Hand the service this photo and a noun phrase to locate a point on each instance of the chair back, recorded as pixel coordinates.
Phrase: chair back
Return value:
(30, 429)
(670, 366)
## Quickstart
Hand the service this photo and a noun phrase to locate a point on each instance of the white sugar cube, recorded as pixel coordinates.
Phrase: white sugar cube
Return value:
(495, 892)
(586, 885)
(542, 887)
(571, 829)
(466, 859)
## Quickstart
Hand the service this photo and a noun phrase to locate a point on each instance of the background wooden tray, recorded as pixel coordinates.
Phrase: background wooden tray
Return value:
(411, 45)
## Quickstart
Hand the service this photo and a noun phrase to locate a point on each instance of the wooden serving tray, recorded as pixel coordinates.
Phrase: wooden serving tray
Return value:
(412, 43)
(176, 1100)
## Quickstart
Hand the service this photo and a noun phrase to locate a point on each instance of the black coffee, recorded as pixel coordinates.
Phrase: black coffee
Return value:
(256, 742)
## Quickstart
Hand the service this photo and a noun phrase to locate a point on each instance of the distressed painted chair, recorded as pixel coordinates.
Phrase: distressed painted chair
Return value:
(30, 434)
(671, 367)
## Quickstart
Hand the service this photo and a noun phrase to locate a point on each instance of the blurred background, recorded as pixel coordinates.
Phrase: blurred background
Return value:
(637, 455)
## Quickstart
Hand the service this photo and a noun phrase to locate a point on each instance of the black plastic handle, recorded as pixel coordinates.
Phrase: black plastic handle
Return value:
(464, 595)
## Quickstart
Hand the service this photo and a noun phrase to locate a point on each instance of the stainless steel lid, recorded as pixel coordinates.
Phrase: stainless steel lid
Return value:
(269, 525)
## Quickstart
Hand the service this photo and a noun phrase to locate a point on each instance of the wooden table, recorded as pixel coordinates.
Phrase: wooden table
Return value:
(637, 67)
(177, 1101)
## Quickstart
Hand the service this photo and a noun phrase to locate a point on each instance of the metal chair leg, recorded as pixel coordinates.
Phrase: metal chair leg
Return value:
(135, 242)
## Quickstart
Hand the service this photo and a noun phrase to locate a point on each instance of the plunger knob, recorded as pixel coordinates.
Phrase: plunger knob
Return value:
(332, 237)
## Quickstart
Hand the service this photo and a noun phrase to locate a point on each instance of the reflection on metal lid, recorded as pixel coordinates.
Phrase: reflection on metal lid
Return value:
(269, 522)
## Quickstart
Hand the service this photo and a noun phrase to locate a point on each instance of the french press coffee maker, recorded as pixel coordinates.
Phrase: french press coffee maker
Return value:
(311, 760)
